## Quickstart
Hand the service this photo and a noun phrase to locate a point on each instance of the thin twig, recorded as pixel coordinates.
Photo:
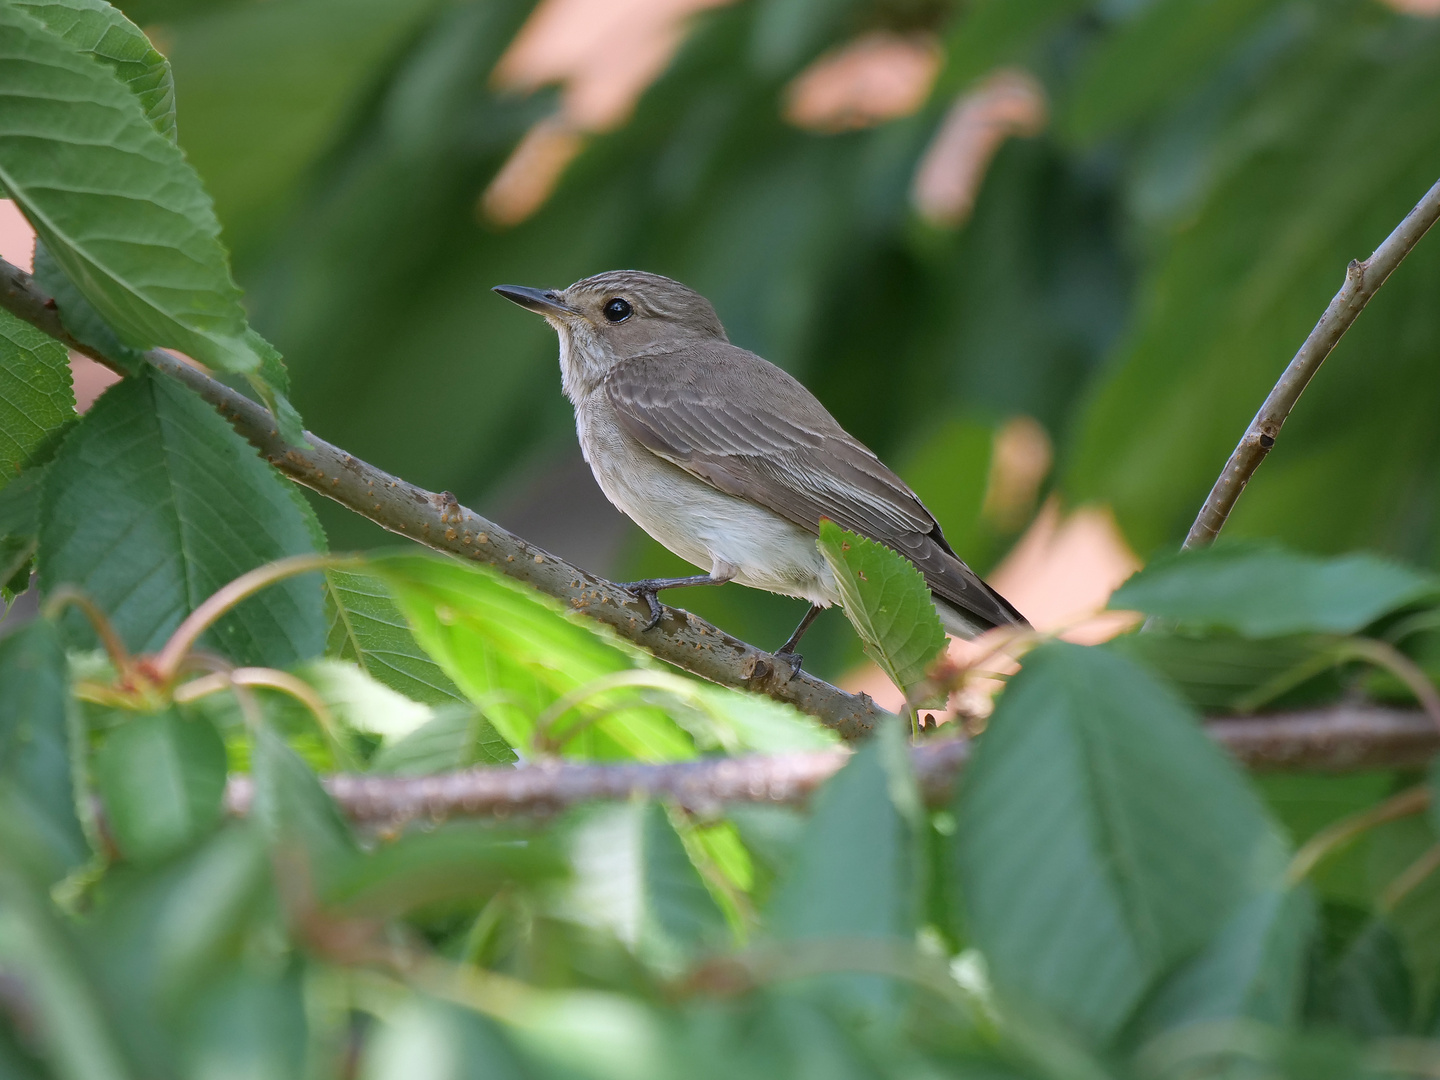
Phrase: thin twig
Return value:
(1362, 281)
(1341, 738)
(1338, 834)
(440, 522)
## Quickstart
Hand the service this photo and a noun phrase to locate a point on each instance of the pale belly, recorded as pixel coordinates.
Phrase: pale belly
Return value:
(720, 533)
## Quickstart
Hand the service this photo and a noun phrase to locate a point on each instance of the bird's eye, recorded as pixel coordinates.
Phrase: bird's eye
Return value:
(617, 310)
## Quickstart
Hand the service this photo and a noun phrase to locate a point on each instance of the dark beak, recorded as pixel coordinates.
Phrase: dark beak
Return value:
(540, 301)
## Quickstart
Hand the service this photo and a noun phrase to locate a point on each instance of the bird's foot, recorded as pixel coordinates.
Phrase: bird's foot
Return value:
(793, 658)
(646, 591)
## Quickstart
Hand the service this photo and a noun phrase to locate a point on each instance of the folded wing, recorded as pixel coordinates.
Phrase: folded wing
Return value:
(782, 450)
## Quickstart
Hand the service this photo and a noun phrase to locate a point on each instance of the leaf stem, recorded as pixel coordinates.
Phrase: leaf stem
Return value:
(1336, 835)
(69, 596)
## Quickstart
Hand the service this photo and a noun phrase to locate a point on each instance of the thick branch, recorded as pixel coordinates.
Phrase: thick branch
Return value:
(1362, 281)
(1339, 739)
(438, 521)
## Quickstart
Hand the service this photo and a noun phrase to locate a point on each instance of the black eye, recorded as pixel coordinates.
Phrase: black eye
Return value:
(617, 310)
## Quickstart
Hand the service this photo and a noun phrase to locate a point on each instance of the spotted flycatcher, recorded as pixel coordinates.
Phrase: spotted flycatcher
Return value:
(727, 460)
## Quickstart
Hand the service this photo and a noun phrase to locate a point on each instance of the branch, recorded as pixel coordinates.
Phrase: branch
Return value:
(1362, 281)
(440, 522)
(1342, 738)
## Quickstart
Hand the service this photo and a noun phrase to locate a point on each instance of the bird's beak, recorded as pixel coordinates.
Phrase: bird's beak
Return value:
(540, 301)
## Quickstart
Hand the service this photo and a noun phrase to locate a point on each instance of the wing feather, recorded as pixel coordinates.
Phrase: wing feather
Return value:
(748, 428)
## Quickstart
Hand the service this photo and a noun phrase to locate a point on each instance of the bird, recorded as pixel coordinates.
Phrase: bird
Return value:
(729, 461)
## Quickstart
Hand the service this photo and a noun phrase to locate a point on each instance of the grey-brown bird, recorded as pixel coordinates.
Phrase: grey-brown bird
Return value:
(726, 459)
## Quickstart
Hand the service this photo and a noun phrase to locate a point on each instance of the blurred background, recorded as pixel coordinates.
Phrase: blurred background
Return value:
(1045, 257)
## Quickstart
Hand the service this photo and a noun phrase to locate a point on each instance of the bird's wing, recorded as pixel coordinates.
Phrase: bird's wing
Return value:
(746, 427)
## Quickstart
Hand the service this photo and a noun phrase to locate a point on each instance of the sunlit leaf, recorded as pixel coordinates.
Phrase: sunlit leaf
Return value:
(888, 603)
(456, 736)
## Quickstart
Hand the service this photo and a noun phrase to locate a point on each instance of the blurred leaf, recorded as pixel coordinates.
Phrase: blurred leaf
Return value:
(162, 779)
(1252, 968)
(362, 703)
(434, 1040)
(114, 201)
(367, 627)
(153, 503)
(455, 862)
(1267, 592)
(515, 651)
(1216, 672)
(19, 523)
(456, 737)
(36, 403)
(634, 878)
(1369, 992)
(74, 1033)
(297, 815)
(856, 872)
(1154, 58)
(35, 751)
(94, 27)
(950, 471)
(1101, 836)
(990, 33)
(248, 1025)
(888, 603)
(269, 86)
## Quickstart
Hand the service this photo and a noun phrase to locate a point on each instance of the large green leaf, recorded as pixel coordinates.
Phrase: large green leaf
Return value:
(35, 750)
(514, 652)
(153, 503)
(36, 402)
(161, 778)
(888, 603)
(1100, 836)
(1269, 592)
(94, 27)
(113, 200)
(434, 1040)
(457, 736)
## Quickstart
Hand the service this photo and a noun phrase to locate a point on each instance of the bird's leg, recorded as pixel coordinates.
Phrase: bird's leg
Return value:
(647, 588)
(788, 649)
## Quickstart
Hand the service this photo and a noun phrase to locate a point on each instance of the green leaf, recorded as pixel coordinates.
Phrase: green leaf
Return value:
(79, 316)
(1253, 968)
(250, 1024)
(887, 602)
(1101, 836)
(113, 200)
(1268, 592)
(634, 878)
(153, 503)
(162, 779)
(1370, 992)
(19, 523)
(515, 651)
(296, 814)
(456, 737)
(856, 871)
(36, 403)
(35, 750)
(367, 627)
(456, 862)
(94, 27)
(435, 1040)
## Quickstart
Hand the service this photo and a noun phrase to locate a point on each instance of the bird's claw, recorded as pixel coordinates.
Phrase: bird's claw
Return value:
(652, 601)
(794, 659)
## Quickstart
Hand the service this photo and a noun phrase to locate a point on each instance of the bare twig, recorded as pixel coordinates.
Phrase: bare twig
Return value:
(1362, 281)
(440, 522)
(1337, 739)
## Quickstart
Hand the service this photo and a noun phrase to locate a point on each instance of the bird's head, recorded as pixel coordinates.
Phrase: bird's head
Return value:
(613, 316)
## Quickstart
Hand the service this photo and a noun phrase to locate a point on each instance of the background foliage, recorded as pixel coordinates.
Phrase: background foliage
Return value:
(1106, 895)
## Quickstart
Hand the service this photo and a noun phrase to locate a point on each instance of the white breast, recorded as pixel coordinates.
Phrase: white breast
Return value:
(720, 533)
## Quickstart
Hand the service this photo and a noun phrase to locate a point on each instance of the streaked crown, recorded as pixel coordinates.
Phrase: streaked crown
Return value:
(652, 296)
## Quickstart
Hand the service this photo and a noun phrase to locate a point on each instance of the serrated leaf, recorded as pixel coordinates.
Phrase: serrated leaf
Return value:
(35, 751)
(97, 28)
(161, 779)
(888, 603)
(1100, 836)
(1268, 592)
(153, 503)
(367, 627)
(515, 651)
(79, 316)
(114, 201)
(36, 402)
